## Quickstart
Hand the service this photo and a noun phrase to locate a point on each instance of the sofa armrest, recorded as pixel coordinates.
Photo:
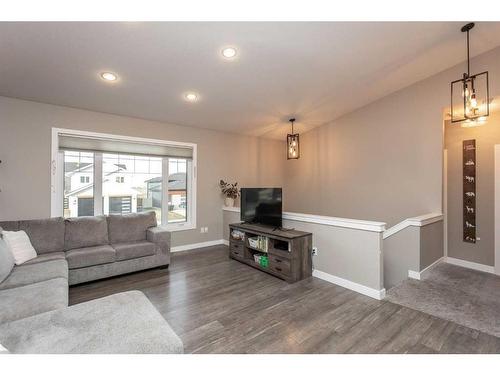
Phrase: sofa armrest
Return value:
(161, 237)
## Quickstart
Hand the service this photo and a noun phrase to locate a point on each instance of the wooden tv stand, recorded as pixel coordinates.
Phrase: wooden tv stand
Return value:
(289, 251)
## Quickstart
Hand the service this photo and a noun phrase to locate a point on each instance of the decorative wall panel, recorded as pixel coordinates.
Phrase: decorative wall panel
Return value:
(469, 190)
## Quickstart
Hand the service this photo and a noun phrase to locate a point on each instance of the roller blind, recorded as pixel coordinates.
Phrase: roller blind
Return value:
(111, 146)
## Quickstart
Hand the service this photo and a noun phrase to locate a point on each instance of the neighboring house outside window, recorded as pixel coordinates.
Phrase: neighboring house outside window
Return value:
(78, 191)
(177, 194)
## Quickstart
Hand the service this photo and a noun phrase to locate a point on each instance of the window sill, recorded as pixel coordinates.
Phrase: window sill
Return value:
(179, 227)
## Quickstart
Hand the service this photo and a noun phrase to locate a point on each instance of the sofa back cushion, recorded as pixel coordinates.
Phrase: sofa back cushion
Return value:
(130, 227)
(85, 231)
(46, 235)
(9, 225)
(6, 260)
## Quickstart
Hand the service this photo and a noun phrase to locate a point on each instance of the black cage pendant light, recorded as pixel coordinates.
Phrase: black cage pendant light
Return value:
(470, 97)
(292, 144)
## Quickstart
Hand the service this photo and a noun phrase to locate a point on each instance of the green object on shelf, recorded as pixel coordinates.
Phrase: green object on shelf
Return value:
(264, 261)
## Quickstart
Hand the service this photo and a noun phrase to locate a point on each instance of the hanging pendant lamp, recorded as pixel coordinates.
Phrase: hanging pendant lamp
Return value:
(292, 144)
(470, 97)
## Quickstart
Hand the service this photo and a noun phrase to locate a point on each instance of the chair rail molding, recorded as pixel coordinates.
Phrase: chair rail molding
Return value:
(371, 226)
(417, 221)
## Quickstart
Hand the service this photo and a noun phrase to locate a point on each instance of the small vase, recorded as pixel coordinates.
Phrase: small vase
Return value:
(229, 202)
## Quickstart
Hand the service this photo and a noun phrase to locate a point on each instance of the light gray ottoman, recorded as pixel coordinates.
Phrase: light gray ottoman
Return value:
(120, 323)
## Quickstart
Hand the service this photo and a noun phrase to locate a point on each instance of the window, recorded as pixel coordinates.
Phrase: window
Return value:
(177, 190)
(78, 199)
(97, 177)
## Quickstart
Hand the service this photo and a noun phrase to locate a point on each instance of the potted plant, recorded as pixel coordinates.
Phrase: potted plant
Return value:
(230, 191)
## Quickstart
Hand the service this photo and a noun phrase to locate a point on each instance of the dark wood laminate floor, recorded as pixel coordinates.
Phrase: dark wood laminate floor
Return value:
(218, 305)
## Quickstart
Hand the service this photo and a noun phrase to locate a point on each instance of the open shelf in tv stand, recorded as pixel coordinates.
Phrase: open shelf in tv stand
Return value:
(289, 251)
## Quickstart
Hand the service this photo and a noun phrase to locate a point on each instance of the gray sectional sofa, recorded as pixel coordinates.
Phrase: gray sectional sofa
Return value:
(97, 247)
(125, 323)
(34, 312)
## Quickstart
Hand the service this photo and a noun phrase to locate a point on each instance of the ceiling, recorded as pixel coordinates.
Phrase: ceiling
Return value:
(315, 72)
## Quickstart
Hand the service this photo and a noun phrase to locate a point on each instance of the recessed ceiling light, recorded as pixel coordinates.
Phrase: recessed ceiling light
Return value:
(108, 76)
(229, 52)
(191, 97)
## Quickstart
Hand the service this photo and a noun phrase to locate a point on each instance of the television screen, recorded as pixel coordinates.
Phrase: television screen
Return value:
(261, 206)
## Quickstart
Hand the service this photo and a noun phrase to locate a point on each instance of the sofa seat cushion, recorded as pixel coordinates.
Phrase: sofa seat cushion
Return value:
(131, 250)
(33, 299)
(26, 274)
(90, 256)
(130, 227)
(46, 257)
(46, 235)
(85, 231)
(124, 323)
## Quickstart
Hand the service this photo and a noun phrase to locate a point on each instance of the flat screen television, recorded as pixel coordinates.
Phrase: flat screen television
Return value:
(261, 206)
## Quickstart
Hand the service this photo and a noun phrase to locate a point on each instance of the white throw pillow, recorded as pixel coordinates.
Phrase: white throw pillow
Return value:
(20, 246)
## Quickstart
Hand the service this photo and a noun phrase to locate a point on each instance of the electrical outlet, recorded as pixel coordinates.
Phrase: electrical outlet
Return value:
(206, 229)
(202, 230)
(315, 251)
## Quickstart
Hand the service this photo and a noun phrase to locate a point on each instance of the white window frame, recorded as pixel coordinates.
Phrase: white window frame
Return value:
(57, 177)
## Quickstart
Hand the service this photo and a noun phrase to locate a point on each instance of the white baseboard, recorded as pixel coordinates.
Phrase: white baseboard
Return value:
(414, 275)
(430, 266)
(471, 265)
(419, 275)
(192, 246)
(225, 242)
(370, 292)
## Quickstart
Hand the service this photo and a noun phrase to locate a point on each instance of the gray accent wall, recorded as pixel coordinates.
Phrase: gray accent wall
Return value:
(382, 162)
(401, 254)
(431, 244)
(25, 151)
(412, 249)
(486, 136)
(351, 254)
